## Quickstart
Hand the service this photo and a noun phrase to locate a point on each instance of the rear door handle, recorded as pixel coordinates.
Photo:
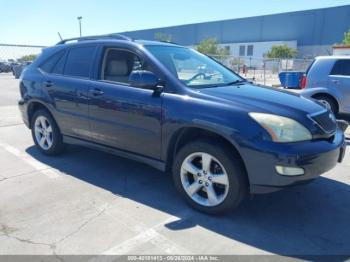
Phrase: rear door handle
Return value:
(48, 83)
(96, 92)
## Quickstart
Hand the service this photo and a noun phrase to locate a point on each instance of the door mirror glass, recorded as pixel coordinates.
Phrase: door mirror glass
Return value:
(144, 79)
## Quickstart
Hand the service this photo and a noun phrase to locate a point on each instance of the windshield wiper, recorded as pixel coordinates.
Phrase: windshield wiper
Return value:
(236, 82)
(240, 81)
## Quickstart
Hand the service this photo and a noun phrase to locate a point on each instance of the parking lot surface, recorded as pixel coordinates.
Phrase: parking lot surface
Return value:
(89, 202)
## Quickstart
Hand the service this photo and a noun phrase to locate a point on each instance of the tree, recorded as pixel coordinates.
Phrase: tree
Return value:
(211, 47)
(164, 37)
(346, 40)
(27, 58)
(282, 51)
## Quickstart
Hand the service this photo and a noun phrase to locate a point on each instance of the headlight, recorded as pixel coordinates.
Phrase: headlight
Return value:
(282, 129)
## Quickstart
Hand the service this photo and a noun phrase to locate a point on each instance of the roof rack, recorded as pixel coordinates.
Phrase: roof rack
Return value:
(96, 37)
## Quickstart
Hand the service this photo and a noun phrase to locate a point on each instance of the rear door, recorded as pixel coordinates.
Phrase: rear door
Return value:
(339, 79)
(67, 87)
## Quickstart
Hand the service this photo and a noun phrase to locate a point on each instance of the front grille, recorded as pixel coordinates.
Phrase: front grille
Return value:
(326, 122)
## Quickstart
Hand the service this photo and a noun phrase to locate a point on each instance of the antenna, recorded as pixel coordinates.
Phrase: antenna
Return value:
(59, 35)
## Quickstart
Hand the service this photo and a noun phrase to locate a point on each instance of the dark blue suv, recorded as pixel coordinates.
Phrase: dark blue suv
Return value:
(178, 110)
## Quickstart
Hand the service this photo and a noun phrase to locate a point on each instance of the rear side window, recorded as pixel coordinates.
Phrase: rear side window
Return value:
(79, 61)
(50, 63)
(341, 67)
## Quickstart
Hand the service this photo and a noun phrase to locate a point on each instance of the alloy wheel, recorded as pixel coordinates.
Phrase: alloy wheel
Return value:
(43, 132)
(204, 179)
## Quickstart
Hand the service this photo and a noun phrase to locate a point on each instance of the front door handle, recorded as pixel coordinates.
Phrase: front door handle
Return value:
(96, 92)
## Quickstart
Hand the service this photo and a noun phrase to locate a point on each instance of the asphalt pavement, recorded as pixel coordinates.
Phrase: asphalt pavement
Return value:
(89, 202)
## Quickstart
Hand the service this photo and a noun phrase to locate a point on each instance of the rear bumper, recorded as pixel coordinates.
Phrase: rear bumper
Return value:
(22, 105)
(314, 157)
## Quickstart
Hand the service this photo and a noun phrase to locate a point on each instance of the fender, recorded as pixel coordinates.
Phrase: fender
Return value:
(226, 133)
(31, 102)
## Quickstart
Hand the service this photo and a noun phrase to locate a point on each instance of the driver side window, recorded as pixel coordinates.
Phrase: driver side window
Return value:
(118, 64)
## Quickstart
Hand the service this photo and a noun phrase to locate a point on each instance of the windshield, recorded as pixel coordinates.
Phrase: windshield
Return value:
(193, 68)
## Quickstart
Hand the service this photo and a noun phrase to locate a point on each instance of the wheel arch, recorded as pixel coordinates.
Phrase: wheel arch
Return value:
(187, 134)
(35, 106)
(326, 94)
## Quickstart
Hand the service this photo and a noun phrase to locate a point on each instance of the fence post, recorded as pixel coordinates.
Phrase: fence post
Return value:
(264, 65)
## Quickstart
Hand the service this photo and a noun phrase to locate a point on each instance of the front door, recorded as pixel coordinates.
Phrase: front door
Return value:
(123, 116)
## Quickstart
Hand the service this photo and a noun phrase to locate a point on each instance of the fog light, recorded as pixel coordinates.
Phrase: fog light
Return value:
(289, 171)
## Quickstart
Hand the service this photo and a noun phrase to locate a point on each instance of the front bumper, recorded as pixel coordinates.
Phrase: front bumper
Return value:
(315, 157)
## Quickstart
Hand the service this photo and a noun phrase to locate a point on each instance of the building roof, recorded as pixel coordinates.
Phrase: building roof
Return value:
(324, 26)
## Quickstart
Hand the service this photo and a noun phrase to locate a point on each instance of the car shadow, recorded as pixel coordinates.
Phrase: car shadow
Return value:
(307, 220)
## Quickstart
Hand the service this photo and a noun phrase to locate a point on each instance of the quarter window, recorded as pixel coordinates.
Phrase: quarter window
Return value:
(341, 67)
(50, 63)
(79, 61)
(58, 68)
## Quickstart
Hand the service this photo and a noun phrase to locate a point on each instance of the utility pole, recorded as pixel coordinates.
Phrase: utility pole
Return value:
(79, 19)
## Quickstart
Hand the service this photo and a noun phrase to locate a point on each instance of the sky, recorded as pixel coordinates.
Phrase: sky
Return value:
(36, 22)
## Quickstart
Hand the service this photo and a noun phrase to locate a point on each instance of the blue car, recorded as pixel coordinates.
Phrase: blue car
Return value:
(177, 110)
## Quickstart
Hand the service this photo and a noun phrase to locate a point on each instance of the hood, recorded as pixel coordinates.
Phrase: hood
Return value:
(263, 99)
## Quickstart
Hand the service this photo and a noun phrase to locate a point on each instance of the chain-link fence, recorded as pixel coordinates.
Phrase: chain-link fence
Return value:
(13, 58)
(13, 53)
(263, 70)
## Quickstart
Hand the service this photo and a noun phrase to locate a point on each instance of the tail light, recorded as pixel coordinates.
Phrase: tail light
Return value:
(303, 82)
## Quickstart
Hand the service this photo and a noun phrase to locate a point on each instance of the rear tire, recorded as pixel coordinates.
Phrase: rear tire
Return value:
(213, 188)
(46, 134)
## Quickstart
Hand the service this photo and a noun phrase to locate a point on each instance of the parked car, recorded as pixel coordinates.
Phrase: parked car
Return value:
(18, 69)
(219, 135)
(5, 67)
(13, 64)
(328, 81)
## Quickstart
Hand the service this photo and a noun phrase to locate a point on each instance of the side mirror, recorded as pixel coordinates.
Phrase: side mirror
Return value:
(144, 79)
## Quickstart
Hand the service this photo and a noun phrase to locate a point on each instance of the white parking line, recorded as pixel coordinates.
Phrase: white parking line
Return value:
(149, 235)
(25, 157)
(146, 235)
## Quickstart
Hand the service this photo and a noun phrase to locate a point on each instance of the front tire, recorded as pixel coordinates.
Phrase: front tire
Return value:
(328, 102)
(211, 178)
(46, 134)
